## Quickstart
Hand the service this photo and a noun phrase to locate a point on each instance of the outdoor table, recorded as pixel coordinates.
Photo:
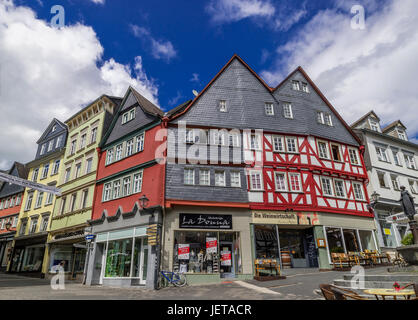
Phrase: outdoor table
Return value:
(390, 292)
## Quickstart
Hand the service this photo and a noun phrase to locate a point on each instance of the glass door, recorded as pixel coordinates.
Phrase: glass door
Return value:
(227, 259)
(140, 260)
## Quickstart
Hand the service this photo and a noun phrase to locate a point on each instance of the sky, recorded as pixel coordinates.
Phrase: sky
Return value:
(166, 49)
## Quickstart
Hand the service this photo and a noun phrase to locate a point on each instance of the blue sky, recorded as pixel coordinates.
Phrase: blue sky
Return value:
(165, 49)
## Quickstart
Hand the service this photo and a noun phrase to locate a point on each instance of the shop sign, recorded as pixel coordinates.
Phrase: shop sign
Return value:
(281, 217)
(226, 258)
(211, 245)
(184, 251)
(387, 231)
(205, 221)
(69, 234)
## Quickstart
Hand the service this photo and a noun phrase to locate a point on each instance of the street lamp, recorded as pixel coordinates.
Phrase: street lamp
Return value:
(8, 225)
(375, 199)
(143, 201)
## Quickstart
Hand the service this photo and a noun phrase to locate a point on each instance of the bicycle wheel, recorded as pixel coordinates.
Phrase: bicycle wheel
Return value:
(180, 280)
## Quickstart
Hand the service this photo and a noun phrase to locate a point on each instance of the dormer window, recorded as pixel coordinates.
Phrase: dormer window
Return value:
(324, 118)
(374, 125)
(328, 120)
(269, 109)
(402, 134)
(295, 85)
(128, 116)
(43, 149)
(222, 106)
(54, 128)
(305, 87)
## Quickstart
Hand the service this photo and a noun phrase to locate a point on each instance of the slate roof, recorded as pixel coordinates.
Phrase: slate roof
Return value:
(18, 170)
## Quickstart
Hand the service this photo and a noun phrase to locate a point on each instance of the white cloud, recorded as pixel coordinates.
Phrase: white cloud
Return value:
(360, 70)
(160, 49)
(98, 1)
(224, 11)
(47, 72)
(173, 101)
(195, 78)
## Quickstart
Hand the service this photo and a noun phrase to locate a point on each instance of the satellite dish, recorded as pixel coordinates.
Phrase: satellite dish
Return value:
(195, 93)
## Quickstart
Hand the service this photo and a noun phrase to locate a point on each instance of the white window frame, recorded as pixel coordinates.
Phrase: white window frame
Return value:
(327, 155)
(93, 135)
(109, 155)
(129, 150)
(281, 139)
(255, 143)
(350, 151)
(89, 160)
(49, 198)
(57, 143)
(233, 182)
(277, 173)
(45, 171)
(116, 185)
(295, 85)
(50, 145)
(269, 108)
(192, 176)
(336, 189)
(29, 201)
(107, 191)
(402, 134)
(204, 175)
(331, 186)
(125, 191)
(119, 151)
(394, 179)
(360, 185)
(137, 186)
(39, 199)
(287, 110)
(222, 106)
(296, 144)
(260, 174)
(381, 153)
(339, 152)
(374, 124)
(305, 87)
(328, 119)
(295, 174)
(410, 161)
(222, 182)
(56, 167)
(320, 117)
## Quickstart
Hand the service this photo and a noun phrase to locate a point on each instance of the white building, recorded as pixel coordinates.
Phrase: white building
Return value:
(391, 161)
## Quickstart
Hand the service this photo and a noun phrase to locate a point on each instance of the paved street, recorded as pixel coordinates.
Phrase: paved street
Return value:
(299, 285)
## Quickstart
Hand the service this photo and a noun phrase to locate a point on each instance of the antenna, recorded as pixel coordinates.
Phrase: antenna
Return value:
(195, 93)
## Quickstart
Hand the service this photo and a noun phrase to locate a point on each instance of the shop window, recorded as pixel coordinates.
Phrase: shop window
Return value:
(118, 258)
(291, 244)
(366, 239)
(351, 241)
(62, 256)
(266, 245)
(207, 252)
(335, 240)
(32, 259)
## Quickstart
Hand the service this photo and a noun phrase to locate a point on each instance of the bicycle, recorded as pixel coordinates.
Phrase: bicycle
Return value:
(177, 279)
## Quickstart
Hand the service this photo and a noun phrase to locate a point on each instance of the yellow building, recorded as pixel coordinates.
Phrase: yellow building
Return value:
(77, 179)
(29, 246)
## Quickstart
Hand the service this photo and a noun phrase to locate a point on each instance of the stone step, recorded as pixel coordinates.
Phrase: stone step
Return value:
(386, 277)
(369, 284)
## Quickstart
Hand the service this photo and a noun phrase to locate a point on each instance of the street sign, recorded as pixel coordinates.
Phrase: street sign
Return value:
(90, 237)
(152, 233)
(29, 184)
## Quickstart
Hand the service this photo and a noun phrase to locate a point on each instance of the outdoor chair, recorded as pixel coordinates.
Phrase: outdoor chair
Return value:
(326, 291)
(414, 286)
(354, 257)
(340, 261)
(332, 292)
(399, 260)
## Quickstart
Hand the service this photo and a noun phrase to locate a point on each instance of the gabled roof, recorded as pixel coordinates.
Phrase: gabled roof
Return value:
(393, 125)
(54, 121)
(22, 172)
(235, 56)
(177, 109)
(365, 117)
(146, 105)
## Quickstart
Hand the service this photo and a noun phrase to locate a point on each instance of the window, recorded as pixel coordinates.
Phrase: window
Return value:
(109, 156)
(256, 180)
(192, 136)
(49, 198)
(84, 198)
(28, 204)
(126, 186)
(220, 178)
(234, 139)
(339, 188)
(118, 155)
(43, 149)
(235, 179)
(89, 164)
(335, 150)
(188, 176)
(140, 142)
(323, 150)
(50, 145)
(3, 221)
(222, 106)
(45, 171)
(44, 224)
(254, 142)
(54, 128)
(410, 161)
(280, 179)
(39, 199)
(129, 147)
(67, 174)
(1, 204)
(204, 177)
(93, 135)
(353, 156)
(401, 134)
(18, 198)
(295, 85)
(72, 148)
(35, 174)
(137, 186)
(56, 167)
(305, 87)
(12, 201)
(125, 117)
(294, 179)
(395, 183)
(287, 110)
(382, 180)
(278, 145)
(58, 143)
(107, 192)
(320, 117)
(83, 140)
(128, 116)
(7, 203)
(63, 201)
(413, 186)
(328, 120)
(381, 154)
(116, 189)
(326, 186)
(33, 224)
(374, 125)
(358, 191)
(132, 114)
(269, 108)
(291, 145)
(396, 157)
(23, 227)
(218, 137)
(77, 170)
(73, 200)
(14, 224)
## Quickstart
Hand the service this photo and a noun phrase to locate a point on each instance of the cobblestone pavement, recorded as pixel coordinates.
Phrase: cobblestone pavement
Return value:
(295, 287)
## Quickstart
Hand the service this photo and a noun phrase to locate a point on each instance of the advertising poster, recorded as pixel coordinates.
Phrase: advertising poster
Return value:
(211, 245)
(226, 258)
(184, 251)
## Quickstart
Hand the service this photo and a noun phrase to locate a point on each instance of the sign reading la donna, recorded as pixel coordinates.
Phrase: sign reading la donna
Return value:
(205, 221)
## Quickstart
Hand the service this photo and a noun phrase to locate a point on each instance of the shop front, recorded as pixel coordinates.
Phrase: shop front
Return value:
(68, 249)
(123, 254)
(209, 245)
(307, 239)
(28, 254)
(6, 241)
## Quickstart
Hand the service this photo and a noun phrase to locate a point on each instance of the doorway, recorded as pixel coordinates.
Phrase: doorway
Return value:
(227, 259)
